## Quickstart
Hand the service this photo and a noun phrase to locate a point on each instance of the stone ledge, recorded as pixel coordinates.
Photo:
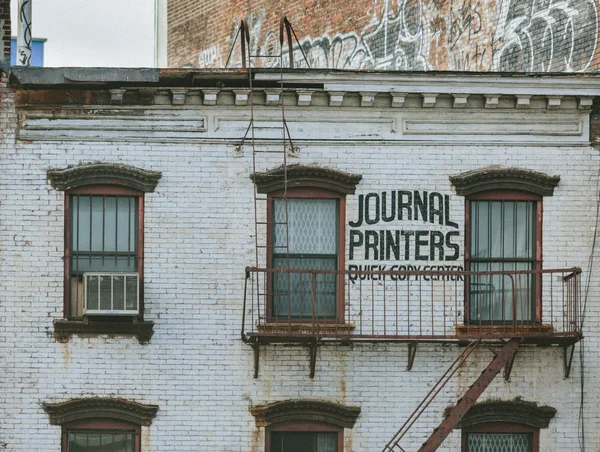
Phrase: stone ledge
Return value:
(89, 408)
(64, 329)
(305, 411)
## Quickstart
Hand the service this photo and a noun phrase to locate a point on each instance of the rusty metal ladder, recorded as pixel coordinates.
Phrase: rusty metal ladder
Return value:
(261, 227)
(501, 359)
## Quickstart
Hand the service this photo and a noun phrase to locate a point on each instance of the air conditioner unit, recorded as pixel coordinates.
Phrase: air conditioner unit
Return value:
(111, 294)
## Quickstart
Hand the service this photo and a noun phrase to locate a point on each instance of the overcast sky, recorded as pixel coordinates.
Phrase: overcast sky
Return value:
(112, 33)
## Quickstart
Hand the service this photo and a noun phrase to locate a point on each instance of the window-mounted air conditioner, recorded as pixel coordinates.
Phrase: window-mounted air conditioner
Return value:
(111, 294)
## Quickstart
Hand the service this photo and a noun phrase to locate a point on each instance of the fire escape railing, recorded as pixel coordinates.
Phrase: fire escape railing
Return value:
(411, 305)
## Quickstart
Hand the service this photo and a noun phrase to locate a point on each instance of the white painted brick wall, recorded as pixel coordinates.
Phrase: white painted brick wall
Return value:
(198, 240)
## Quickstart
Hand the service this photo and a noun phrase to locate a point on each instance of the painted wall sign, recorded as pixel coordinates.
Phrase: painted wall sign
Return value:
(372, 240)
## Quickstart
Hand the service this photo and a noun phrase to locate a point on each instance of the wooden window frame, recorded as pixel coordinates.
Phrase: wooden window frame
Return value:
(501, 427)
(107, 190)
(309, 193)
(506, 195)
(101, 425)
(305, 427)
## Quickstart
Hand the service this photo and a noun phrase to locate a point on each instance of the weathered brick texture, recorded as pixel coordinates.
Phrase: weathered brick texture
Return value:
(460, 35)
(4, 29)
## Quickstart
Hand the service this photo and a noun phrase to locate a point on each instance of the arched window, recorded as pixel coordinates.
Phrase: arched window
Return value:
(304, 425)
(104, 248)
(503, 233)
(501, 426)
(100, 425)
(306, 234)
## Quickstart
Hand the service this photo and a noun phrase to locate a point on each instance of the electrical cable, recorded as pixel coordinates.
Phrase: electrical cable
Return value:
(581, 420)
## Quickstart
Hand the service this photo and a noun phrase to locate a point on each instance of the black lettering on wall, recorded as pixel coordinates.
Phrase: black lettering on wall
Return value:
(436, 242)
(421, 241)
(393, 244)
(359, 221)
(356, 240)
(421, 205)
(454, 246)
(406, 235)
(436, 211)
(447, 213)
(371, 242)
(384, 216)
(369, 209)
(404, 205)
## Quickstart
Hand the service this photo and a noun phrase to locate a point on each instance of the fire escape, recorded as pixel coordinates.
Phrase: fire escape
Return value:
(410, 307)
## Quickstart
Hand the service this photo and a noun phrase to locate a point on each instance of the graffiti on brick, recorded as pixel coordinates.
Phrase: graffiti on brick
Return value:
(548, 36)
(210, 57)
(462, 35)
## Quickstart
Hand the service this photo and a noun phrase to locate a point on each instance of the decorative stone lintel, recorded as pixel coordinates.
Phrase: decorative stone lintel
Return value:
(306, 176)
(90, 408)
(116, 96)
(64, 329)
(304, 97)
(104, 173)
(554, 102)
(241, 96)
(585, 103)
(499, 178)
(179, 95)
(523, 101)
(367, 98)
(272, 96)
(336, 98)
(398, 100)
(305, 411)
(516, 411)
(209, 96)
(429, 100)
(460, 100)
(491, 101)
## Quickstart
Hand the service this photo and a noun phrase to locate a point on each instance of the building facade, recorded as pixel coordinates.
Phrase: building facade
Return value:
(417, 35)
(176, 277)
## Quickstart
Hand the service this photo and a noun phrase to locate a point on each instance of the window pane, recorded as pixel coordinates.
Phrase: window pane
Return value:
(304, 441)
(312, 226)
(101, 441)
(301, 288)
(500, 442)
(82, 221)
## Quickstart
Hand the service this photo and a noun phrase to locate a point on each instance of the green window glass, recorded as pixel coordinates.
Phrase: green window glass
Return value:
(304, 442)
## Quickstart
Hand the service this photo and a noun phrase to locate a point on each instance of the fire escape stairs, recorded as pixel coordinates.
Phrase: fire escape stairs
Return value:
(503, 359)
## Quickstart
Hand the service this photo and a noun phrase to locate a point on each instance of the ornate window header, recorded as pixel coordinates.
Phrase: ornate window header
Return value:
(114, 409)
(517, 411)
(498, 178)
(104, 174)
(306, 176)
(305, 411)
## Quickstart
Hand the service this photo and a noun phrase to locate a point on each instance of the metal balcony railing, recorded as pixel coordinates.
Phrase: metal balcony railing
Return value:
(541, 306)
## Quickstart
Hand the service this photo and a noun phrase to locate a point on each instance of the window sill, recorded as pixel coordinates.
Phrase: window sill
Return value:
(64, 329)
(502, 330)
(309, 328)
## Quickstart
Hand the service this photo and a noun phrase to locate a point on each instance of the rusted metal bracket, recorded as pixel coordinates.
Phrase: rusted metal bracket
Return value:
(412, 351)
(312, 350)
(468, 400)
(568, 359)
(255, 347)
(244, 32)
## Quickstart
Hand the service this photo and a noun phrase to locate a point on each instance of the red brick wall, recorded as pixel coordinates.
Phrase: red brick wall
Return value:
(457, 35)
(4, 29)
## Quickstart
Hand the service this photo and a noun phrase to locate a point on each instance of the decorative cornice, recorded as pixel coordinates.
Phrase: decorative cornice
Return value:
(117, 409)
(498, 178)
(306, 176)
(516, 411)
(305, 411)
(104, 173)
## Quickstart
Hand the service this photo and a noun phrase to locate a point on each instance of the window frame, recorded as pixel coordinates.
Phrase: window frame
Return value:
(501, 427)
(305, 426)
(506, 195)
(309, 193)
(100, 424)
(106, 190)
